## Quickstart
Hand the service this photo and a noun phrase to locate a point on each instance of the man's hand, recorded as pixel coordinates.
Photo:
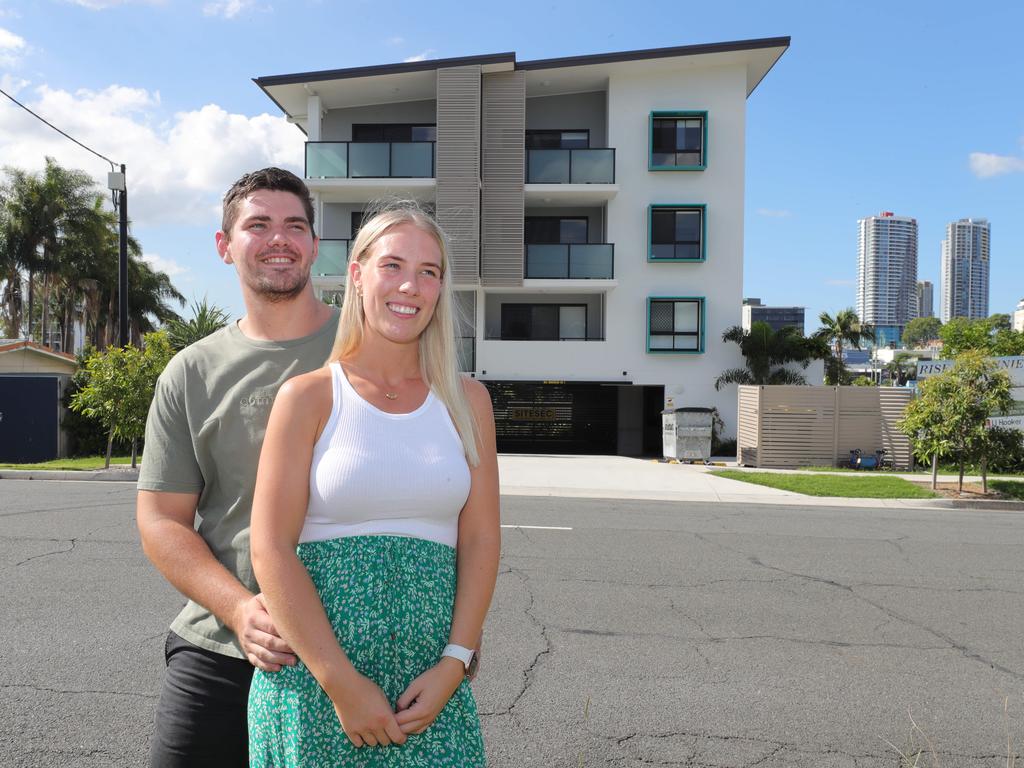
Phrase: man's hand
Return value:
(262, 646)
(426, 696)
(365, 713)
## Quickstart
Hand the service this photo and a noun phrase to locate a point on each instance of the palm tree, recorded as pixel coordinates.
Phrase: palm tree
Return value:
(206, 318)
(843, 329)
(766, 353)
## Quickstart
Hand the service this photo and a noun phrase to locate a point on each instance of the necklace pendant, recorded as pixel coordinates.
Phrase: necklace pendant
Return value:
(391, 395)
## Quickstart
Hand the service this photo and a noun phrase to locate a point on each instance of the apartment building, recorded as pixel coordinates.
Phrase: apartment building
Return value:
(887, 274)
(595, 210)
(925, 298)
(965, 269)
(754, 311)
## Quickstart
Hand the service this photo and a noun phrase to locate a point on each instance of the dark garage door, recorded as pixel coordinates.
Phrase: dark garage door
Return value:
(29, 407)
(555, 417)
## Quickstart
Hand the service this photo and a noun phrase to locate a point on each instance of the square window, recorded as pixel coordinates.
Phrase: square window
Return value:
(675, 325)
(677, 233)
(678, 141)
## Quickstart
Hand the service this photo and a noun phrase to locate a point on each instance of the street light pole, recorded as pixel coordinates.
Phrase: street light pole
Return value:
(122, 265)
(116, 183)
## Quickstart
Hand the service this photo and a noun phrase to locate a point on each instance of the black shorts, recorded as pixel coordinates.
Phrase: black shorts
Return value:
(201, 715)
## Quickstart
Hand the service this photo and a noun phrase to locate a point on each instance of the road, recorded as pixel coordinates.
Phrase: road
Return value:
(625, 633)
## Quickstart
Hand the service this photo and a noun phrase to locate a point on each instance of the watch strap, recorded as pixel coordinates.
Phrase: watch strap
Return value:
(465, 655)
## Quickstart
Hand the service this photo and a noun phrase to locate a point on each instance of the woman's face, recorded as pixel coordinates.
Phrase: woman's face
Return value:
(400, 283)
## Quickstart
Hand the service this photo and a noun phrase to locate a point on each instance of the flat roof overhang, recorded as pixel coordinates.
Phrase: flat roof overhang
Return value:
(417, 80)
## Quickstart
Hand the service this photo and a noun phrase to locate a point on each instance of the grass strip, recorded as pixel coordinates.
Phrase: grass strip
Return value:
(82, 463)
(873, 487)
(1008, 488)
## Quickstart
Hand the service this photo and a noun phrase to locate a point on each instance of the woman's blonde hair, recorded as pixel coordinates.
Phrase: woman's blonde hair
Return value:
(438, 359)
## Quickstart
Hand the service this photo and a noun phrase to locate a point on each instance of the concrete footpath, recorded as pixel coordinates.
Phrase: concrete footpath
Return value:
(621, 477)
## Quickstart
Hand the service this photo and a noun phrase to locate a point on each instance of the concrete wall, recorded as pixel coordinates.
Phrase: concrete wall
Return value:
(337, 123)
(570, 112)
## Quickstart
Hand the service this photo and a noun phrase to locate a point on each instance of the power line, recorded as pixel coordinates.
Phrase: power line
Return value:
(113, 165)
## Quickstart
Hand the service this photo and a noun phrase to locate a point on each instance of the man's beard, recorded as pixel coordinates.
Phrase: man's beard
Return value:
(278, 292)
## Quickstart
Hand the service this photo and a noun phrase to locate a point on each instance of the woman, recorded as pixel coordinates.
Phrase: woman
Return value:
(375, 528)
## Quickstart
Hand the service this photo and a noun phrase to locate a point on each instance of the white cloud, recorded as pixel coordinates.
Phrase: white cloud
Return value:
(837, 281)
(11, 84)
(12, 48)
(427, 54)
(160, 264)
(396, 40)
(178, 169)
(229, 9)
(102, 5)
(985, 165)
(775, 213)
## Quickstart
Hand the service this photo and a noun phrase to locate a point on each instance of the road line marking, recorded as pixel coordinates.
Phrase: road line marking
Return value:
(540, 527)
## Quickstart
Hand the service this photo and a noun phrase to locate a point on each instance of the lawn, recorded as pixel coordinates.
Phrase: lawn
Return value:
(862, 487)
(944, 469)
(1008, 488)
(81, 463)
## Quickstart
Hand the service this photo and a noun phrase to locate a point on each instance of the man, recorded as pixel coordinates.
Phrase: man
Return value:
(203, 440)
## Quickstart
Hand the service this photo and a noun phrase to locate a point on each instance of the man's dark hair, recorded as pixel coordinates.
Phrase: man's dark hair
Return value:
(274, 179)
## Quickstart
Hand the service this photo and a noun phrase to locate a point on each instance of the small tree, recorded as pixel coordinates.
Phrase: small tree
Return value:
(920, 330)
(119, 388)
(845, 328)
(766, 353)
(948, 417)
(206, 318)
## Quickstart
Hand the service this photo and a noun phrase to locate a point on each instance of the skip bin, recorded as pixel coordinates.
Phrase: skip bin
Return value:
(686, 433)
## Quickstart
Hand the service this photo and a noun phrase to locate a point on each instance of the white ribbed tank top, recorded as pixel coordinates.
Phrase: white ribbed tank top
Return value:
(379, 473)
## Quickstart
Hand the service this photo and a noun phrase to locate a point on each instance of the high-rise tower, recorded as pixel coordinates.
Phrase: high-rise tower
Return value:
(887, 274)
(965, 265)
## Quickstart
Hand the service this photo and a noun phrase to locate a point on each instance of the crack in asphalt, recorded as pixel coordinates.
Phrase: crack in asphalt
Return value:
(966, 652)
(63, 691)
(529, 672)
(48, 554)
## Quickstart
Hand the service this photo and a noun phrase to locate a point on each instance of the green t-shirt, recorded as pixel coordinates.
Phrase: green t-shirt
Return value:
(204, 435)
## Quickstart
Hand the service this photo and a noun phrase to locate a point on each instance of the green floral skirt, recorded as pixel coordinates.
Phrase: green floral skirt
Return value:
(389, 599)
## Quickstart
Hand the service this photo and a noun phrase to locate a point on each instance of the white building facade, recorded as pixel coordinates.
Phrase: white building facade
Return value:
(965, 269)
(595, 211)
(887, 274)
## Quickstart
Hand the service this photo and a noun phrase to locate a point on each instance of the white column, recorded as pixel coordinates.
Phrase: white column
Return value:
(313, 112)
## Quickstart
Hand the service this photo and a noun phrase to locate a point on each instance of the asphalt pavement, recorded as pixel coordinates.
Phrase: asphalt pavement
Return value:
(624, 632)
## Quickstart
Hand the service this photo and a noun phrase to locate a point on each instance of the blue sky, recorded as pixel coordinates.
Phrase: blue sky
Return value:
(912, 107)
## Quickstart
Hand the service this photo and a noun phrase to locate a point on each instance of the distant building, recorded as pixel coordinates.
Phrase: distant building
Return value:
(887, 274)
(925, 299)
(1018, 316)
(965, 267)
(777, 317)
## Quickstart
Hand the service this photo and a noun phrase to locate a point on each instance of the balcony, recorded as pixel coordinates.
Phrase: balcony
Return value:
(353, 171)
(561, 176)
(332, 258)
(363, 160)
(570, 261)
(570, 166)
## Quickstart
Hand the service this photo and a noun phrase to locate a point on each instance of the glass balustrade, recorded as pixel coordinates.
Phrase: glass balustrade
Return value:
(381, 160)
(332, 257)
(570, 261)
(570, 166)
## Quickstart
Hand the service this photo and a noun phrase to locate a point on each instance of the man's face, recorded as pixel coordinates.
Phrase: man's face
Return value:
(271, 245)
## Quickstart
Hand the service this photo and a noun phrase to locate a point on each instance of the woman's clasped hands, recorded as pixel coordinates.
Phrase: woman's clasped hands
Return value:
(367, 718)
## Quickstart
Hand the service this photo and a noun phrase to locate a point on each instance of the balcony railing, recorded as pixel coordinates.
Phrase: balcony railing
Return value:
(570, 261)
(332, 257)
(377, 160)
(570, 166)
(465, 347)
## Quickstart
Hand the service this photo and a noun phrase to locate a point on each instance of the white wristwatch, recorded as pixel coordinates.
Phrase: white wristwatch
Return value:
(466, 655)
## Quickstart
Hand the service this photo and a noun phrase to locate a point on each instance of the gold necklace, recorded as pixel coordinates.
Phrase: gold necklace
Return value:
(388, 395)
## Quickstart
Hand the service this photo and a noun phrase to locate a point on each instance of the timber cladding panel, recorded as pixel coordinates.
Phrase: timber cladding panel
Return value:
(504, 152)
(792, 426)
(457, 168)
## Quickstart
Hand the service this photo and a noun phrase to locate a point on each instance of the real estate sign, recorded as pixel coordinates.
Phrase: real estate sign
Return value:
(1013, 417)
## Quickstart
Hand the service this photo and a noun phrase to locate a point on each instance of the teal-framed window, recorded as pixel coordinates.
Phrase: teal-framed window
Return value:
(677, 232)
(678, 140)
(675, 324)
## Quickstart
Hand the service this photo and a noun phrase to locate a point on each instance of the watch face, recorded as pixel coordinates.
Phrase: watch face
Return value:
(473, 664)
